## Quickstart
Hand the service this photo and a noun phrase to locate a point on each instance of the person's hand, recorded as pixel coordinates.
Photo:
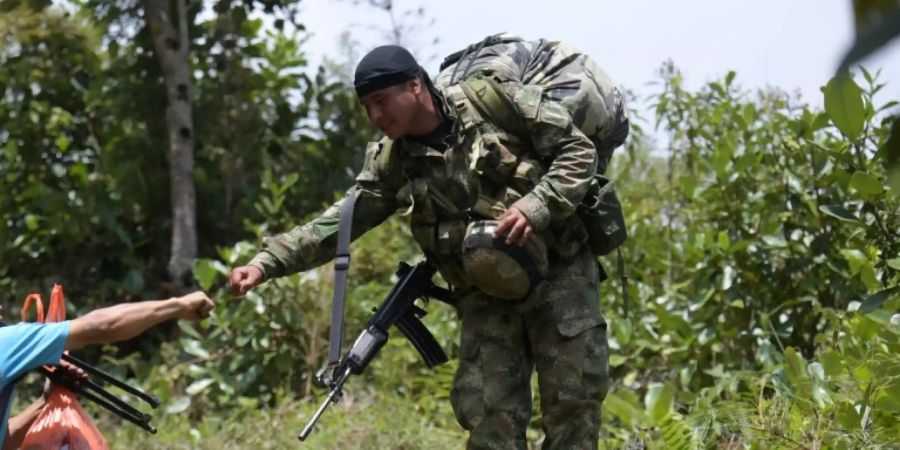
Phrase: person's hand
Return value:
(194, 306)
(515, 226)
(74, 372)
(244, 278)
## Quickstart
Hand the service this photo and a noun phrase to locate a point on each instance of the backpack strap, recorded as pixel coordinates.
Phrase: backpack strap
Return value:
(494, 105)
(500, 38)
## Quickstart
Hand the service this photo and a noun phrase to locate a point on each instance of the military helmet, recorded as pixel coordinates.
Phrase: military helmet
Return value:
(501, 270)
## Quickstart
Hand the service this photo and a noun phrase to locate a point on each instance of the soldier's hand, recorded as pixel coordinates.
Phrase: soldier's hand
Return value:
(244, 278)
(515, 226)
(194, 306)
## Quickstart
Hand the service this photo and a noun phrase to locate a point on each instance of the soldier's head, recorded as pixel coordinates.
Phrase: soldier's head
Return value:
(395, 92)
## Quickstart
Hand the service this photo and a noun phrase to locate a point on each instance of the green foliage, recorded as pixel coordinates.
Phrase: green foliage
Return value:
(761, 255)
(83, 153)
(361, 422)
(844, 105)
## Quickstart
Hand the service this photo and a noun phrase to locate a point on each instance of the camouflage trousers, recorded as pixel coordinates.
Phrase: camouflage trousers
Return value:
(558, 331)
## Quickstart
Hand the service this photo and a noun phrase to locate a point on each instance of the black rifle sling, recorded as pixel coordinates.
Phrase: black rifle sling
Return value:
(624, 277)
(341, 265)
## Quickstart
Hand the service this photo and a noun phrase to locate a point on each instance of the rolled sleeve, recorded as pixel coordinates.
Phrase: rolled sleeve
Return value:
(572, 158)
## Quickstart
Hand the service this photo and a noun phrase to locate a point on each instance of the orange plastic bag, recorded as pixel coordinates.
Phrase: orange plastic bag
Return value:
(63, 423)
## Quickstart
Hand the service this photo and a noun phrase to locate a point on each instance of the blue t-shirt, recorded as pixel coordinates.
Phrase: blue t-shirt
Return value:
(24, 347)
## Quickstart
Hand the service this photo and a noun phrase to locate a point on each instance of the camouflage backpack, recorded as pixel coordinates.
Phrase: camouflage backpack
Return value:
(568, 77)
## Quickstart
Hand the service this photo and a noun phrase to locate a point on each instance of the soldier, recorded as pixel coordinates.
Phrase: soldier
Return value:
(495, 213)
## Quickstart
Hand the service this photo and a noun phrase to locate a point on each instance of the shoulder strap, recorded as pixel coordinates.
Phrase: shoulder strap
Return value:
(494, 105)
(341, 265)
(500, 38)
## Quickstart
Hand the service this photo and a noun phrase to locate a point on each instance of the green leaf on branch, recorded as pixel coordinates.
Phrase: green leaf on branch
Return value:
(180, 405)
(838, 212)
(844, 104)
(205, 273)
(894, 263)
(868, 186)
(869, 277)
(195, 348)
(659, 401)
(199, 386)
(889, 398)
(724, 240)
(856, 259)
(621, 404)
(833, 363)
(796, 367)
(876, 300)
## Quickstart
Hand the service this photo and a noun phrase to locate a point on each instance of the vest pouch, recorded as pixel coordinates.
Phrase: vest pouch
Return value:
(450, 237)
(601, 213)
(424, 234)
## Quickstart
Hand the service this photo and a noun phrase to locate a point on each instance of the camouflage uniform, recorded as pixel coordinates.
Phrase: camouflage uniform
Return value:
(558, 328)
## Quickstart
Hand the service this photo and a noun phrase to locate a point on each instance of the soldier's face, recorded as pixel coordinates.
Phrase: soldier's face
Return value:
(393, 109)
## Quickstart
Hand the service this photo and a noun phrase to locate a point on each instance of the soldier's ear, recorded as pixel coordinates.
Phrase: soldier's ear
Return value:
(415, 85)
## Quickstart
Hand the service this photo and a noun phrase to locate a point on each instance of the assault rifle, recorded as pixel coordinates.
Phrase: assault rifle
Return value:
(398, 309)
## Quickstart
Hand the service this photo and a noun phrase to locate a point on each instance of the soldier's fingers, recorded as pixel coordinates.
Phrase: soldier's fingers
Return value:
(516, 231)
(504, 223)
(238, 278)
(236, 275)
(526, 234)
(234, 278)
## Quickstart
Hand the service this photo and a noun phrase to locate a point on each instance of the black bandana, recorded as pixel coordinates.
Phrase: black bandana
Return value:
(385, 66)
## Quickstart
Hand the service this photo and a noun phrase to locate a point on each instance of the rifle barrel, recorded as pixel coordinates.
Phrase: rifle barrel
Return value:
(333, 397)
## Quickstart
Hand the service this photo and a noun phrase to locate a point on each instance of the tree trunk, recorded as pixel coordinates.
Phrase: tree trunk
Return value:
(170, 41)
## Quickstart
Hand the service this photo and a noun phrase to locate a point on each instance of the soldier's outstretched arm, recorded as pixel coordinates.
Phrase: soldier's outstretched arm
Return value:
(313, 244)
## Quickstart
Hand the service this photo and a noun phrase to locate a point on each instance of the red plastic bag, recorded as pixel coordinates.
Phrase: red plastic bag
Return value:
(63, 423)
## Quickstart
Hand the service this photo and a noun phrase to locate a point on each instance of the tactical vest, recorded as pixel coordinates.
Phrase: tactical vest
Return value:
(485, 171)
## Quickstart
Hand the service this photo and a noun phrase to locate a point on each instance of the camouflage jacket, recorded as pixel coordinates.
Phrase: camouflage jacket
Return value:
(485, 171)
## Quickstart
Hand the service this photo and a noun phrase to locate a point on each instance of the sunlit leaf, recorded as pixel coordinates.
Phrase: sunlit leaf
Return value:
(856, 259)
(205, 273)
(199, 386)
(180, 405)
(844, 104)
(894, 263)
(628, 412)
(659, 400)
(838, 212)
(866, 185)
(194, 347)
(833, 363)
